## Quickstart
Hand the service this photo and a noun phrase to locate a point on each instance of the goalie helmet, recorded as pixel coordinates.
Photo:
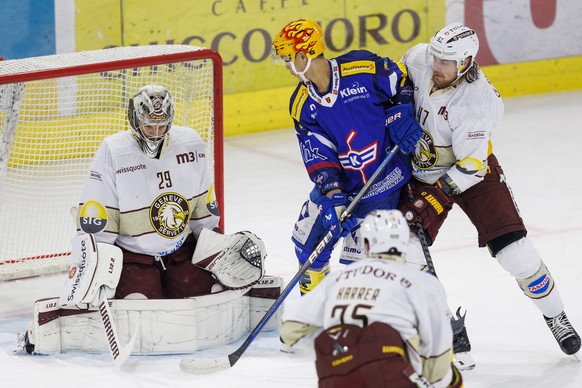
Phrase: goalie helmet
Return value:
(454, 42)
(150, 114)
(386, 232)
(299, 35)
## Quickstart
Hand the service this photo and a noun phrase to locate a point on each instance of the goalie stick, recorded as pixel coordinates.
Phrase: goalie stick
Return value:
(210, 365)
(464, 360)
(118, 354)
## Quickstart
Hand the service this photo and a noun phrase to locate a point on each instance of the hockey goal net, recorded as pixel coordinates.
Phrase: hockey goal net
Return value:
(55, 111)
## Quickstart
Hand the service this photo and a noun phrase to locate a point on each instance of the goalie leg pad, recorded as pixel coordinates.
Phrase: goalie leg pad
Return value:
(261, 297)
(165, 325)
(93, 265)
(237, 260)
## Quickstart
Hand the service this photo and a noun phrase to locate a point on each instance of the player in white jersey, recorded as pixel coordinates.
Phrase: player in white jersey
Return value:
(454, 163)
(384, 323)
(149, 191)
(147, 230)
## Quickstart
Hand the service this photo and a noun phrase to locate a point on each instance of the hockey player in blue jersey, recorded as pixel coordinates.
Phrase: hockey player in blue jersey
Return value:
(348, 113)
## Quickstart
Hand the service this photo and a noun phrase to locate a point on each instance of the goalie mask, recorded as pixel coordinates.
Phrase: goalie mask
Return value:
(454, 42)
(386, 232)
(150, 114)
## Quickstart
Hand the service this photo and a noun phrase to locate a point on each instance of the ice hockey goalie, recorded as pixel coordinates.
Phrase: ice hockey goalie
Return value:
(239, 296)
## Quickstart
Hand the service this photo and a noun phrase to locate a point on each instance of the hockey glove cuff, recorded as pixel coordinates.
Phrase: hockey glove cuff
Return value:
(426, 206)
(330, 209)
(402, 127)
(448, 186)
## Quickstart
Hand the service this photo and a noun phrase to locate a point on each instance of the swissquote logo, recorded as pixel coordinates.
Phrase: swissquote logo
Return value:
(77, 271)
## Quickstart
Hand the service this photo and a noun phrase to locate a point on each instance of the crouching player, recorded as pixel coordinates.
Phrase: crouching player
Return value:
(384, 324)
(148, 238)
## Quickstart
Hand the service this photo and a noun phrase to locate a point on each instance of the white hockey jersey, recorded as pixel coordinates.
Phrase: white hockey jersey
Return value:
(410, 301)
(147, 205)
(457, 123)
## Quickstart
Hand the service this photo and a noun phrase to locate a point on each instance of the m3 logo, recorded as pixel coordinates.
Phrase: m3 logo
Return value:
(187, 157)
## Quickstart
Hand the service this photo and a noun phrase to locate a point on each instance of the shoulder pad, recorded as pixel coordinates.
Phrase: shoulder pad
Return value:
(357, 67)
(297, 101)
(357, 62)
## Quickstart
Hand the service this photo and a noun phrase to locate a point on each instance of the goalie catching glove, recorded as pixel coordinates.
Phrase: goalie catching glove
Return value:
(236, 260)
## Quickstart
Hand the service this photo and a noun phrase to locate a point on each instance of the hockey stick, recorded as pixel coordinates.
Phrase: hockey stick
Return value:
(210, 365)
(457, 323)
(466, 361)
(421, 236)
(118, 353)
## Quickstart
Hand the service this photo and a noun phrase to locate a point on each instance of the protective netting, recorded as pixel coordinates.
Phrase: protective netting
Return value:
(56, 110)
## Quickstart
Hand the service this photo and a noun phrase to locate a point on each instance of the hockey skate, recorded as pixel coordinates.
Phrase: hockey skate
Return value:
(22, 344)
(462, 358)
(564, 333)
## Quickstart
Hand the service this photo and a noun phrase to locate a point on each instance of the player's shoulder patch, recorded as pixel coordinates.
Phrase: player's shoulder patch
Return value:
(357, 67)
(297, 101)
(92, 217)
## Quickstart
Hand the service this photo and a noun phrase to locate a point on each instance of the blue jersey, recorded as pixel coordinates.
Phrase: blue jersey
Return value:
(342, 134)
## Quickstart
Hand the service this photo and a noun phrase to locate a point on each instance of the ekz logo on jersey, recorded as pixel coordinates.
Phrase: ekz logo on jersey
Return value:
(189, 157)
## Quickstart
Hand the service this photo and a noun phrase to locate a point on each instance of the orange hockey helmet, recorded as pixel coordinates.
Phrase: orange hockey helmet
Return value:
(299, 35)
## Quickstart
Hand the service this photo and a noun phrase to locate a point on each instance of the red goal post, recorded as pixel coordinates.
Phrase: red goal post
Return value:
(54, 112)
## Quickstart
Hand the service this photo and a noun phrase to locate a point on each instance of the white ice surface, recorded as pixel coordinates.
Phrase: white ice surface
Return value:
(538, 144)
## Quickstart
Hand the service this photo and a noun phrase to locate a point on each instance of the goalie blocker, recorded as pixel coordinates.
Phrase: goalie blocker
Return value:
(72, 322)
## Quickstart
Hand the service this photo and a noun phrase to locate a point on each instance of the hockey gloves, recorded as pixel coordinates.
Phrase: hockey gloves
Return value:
(402, 127)
(426, 206)
(330, 210)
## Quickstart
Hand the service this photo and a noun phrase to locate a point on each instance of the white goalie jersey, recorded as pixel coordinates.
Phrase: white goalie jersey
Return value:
(148, 205)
